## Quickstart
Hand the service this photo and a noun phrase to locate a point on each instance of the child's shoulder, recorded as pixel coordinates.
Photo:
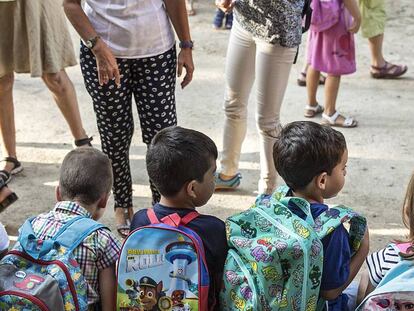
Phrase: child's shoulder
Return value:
(212, 220)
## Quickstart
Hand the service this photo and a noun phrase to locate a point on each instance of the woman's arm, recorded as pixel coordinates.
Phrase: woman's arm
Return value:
(105, 60)
(178, 15)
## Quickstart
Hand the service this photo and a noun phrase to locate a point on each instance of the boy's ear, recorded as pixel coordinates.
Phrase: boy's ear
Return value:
(58, 195)
(190, 189)
(321, 180)
(103, 200)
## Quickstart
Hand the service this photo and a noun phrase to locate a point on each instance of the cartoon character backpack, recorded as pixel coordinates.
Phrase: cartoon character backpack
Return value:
(397, 287)
(43, 275)
(162, 266)
(275, 257)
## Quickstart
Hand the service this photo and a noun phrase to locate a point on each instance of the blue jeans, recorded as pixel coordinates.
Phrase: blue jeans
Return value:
(220, 16)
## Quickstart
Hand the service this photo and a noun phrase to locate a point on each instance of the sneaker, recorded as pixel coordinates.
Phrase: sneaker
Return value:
(232, 183)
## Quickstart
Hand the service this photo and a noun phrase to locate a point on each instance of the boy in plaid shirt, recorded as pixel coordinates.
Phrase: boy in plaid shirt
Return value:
(84, 187)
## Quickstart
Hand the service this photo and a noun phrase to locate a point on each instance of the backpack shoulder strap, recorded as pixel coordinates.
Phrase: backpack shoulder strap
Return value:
(189, 218)
(337, 215)
(152, 217)
(72, 235)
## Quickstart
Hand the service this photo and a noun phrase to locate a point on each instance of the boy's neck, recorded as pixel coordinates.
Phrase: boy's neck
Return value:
(309, 196)
(176, 203)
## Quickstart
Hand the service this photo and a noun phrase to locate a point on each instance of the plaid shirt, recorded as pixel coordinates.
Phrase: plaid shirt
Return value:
(98, 251)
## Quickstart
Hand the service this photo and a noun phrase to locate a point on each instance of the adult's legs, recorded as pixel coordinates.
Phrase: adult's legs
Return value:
(239, 73)
(113, 109)
(7, 126)
(273, 64)
(155, 97)
(375, 46)
(65, 97)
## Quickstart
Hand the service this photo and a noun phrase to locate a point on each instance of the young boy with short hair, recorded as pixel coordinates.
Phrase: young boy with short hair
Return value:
(84, 187)
(181, 163)
(311, 159)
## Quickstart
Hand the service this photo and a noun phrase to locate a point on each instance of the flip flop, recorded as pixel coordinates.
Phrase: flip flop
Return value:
(349, 122)
(388, 71)
(311, 111)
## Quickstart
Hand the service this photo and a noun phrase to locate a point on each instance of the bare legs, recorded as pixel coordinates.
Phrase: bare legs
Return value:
(7, 127)
(331, 94)
(375, 46)
(65, 97)
(331, 90)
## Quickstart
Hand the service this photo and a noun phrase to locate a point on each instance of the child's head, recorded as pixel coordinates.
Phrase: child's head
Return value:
(86, 177)
(408, 209)
(311, 158)
(182, 162)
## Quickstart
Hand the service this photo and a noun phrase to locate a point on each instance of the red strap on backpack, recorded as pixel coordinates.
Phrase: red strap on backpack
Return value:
(173, 220)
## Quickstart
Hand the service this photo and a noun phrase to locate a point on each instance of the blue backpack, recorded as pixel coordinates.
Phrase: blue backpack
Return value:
(44, 275)
(396, 287)
(162, 266)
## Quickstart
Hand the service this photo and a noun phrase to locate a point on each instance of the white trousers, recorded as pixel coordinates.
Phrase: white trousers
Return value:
(249, 58)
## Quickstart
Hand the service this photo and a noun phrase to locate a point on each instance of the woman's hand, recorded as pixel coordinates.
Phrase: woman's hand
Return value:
(106, 64)
(185, 59)
(225, 5)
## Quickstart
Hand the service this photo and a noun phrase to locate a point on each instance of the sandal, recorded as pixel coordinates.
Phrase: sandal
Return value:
(124, 228)
(9, 200)
(388, 71)
(302, 79)
(223, 184)
(17, 168)
(348, 122)
(84, 142)
(311, 111)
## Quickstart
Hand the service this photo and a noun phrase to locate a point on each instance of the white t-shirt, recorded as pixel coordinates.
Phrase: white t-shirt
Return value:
(132, 28)
(4, 238)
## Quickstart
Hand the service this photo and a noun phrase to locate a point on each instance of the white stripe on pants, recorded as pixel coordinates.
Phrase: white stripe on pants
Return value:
(247, 58)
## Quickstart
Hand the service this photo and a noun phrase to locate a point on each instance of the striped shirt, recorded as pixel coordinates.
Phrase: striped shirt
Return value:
(379, 263)
(98, 251)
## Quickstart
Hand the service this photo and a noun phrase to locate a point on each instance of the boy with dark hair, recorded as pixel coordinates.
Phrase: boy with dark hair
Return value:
(84, 187)
(311, 159)
(181, 163)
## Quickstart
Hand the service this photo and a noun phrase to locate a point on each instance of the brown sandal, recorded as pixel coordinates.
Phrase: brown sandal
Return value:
(388, 71)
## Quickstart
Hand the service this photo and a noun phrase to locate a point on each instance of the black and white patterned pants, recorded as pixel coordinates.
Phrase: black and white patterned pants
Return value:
(151, 81)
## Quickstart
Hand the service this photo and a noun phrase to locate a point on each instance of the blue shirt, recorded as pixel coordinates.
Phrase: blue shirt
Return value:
(211, 231)
(336, 257)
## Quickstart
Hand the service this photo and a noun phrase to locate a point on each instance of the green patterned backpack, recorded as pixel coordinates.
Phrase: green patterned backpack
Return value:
(275, 257)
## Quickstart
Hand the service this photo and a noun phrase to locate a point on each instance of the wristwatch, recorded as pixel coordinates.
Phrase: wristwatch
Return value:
(186, 44)
(90, 43)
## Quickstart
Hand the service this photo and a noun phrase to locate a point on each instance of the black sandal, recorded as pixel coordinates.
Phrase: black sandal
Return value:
(9, 200)
(84, 142)
(17, 168)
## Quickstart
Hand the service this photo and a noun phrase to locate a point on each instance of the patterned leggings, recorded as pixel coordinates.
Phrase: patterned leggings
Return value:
(151, 81)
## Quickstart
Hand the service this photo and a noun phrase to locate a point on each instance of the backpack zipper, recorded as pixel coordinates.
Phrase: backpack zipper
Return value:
(305, 251)
(32, 299)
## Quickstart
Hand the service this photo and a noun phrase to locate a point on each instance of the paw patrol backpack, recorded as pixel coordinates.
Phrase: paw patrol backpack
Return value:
(275, 257)
(396, 289)
(162, 266)
(43, 275)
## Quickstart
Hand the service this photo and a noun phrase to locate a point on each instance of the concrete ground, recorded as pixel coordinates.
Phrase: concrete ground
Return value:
(381, 149)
